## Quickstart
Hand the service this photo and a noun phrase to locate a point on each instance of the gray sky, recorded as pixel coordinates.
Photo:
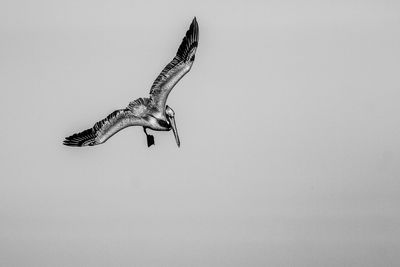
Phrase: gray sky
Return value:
(289, 124)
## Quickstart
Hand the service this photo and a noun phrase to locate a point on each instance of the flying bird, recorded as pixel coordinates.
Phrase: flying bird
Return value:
(150, 112)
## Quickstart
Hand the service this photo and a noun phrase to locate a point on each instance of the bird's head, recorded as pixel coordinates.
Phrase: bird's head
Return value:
(169, 112)
(171, 119)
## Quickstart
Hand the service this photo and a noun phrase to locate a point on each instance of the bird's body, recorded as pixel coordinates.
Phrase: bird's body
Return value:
(150, 113)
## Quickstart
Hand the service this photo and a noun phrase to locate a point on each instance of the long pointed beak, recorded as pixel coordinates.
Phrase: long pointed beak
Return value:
(175, 130)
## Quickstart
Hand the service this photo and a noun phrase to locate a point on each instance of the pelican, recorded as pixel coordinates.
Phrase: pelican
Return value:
(152, 112)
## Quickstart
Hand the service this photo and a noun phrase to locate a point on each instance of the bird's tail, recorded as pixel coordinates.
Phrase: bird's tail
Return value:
(85, 138)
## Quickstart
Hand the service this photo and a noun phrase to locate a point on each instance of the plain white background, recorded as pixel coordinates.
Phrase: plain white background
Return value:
(289, 123)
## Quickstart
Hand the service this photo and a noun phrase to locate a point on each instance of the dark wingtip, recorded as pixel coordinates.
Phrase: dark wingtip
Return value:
(67, 141)
(70, 142)
(194, 23)
(85, 138)
(190, 40)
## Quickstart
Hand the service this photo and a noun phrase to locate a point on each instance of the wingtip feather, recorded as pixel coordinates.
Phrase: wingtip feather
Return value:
(85, 138)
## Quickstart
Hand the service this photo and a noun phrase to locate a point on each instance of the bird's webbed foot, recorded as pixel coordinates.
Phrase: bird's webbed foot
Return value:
(150, 138)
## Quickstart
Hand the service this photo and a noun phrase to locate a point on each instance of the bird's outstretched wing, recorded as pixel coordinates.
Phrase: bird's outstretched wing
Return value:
(113, 123)
(177, 68)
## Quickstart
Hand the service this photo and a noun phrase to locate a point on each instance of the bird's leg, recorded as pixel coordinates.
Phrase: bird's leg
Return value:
(150, 138)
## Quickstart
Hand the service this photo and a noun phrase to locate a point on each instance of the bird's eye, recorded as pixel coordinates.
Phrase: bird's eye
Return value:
(192, 58)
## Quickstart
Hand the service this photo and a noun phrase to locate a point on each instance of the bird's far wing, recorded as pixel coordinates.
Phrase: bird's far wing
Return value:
(104, 129)
(177, 68)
